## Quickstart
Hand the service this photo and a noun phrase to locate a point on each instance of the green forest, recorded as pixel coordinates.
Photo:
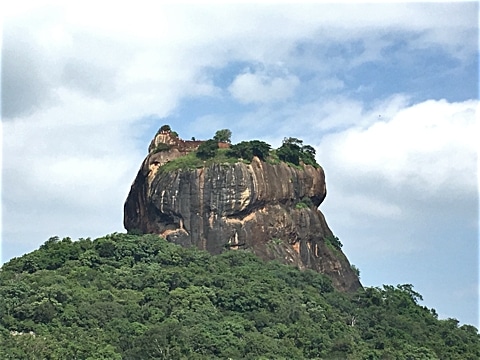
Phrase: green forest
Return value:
(127, 296)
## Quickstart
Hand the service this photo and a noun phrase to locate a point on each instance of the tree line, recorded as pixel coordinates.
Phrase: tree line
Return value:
(291, 151)
(125, 296)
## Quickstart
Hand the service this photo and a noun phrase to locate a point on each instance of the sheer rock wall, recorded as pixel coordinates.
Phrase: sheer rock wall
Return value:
(240, 206)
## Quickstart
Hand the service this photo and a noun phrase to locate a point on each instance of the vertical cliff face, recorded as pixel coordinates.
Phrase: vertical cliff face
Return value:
(265, 208)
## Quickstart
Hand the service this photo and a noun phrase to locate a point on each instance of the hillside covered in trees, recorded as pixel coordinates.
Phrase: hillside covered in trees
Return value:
(139, 297)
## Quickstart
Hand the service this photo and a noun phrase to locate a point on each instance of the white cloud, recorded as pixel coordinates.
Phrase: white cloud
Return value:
(160, 51)
(67, 171)
(262, 88)
(403, 198)
(332, 84)
(409, 167)
(431, 144)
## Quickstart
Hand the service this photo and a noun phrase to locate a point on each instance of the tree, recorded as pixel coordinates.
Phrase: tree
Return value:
(260, 149)
(290, 151)
(223, 135)
(291, 141)
(293, 151)
(308, 155)
(145, 298)
(248, 149)
(207, 149)
(241, 150)
(165, 128)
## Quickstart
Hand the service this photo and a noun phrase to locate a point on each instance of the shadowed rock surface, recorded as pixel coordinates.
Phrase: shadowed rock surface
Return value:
(239, 206)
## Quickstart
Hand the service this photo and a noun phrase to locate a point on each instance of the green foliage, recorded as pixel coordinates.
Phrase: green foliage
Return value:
(308, 155)
(260, 149)
(305, 203)
(276, 241)
(223, 135)
(167, 128)
(273, 158)
(294, 152)
(192, 161)
(189, 161)
(290, 150)
(333, 241)
(207, 149)
(356, 270)
(241, 150)
(161, 147)
(301, 205)
(124, 296)
(248, 149)
(135, 232)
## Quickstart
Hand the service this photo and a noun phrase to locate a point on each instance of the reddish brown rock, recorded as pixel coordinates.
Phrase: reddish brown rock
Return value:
(239, 206)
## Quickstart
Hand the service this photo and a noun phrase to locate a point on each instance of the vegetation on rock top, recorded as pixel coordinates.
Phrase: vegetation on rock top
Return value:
(292, 152)
(133, 297)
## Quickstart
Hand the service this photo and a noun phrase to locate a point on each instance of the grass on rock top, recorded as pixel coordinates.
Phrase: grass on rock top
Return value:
(191, 161)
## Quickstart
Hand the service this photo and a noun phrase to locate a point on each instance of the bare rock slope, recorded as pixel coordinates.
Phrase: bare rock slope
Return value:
(269, 209)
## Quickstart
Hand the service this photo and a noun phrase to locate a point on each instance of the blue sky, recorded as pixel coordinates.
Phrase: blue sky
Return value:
(386, 93)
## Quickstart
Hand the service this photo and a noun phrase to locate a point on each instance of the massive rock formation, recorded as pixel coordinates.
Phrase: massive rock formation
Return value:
(265, 208)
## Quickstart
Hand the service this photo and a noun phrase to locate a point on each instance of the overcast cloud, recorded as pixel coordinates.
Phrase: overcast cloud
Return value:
(386, 93)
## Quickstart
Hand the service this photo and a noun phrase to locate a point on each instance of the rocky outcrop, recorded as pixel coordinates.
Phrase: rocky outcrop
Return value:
(270, 209)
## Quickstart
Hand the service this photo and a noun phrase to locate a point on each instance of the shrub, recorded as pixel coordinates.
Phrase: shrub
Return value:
(276, 241)
(334, 241)
(305, 203)
(356, 270)
(301, 205)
